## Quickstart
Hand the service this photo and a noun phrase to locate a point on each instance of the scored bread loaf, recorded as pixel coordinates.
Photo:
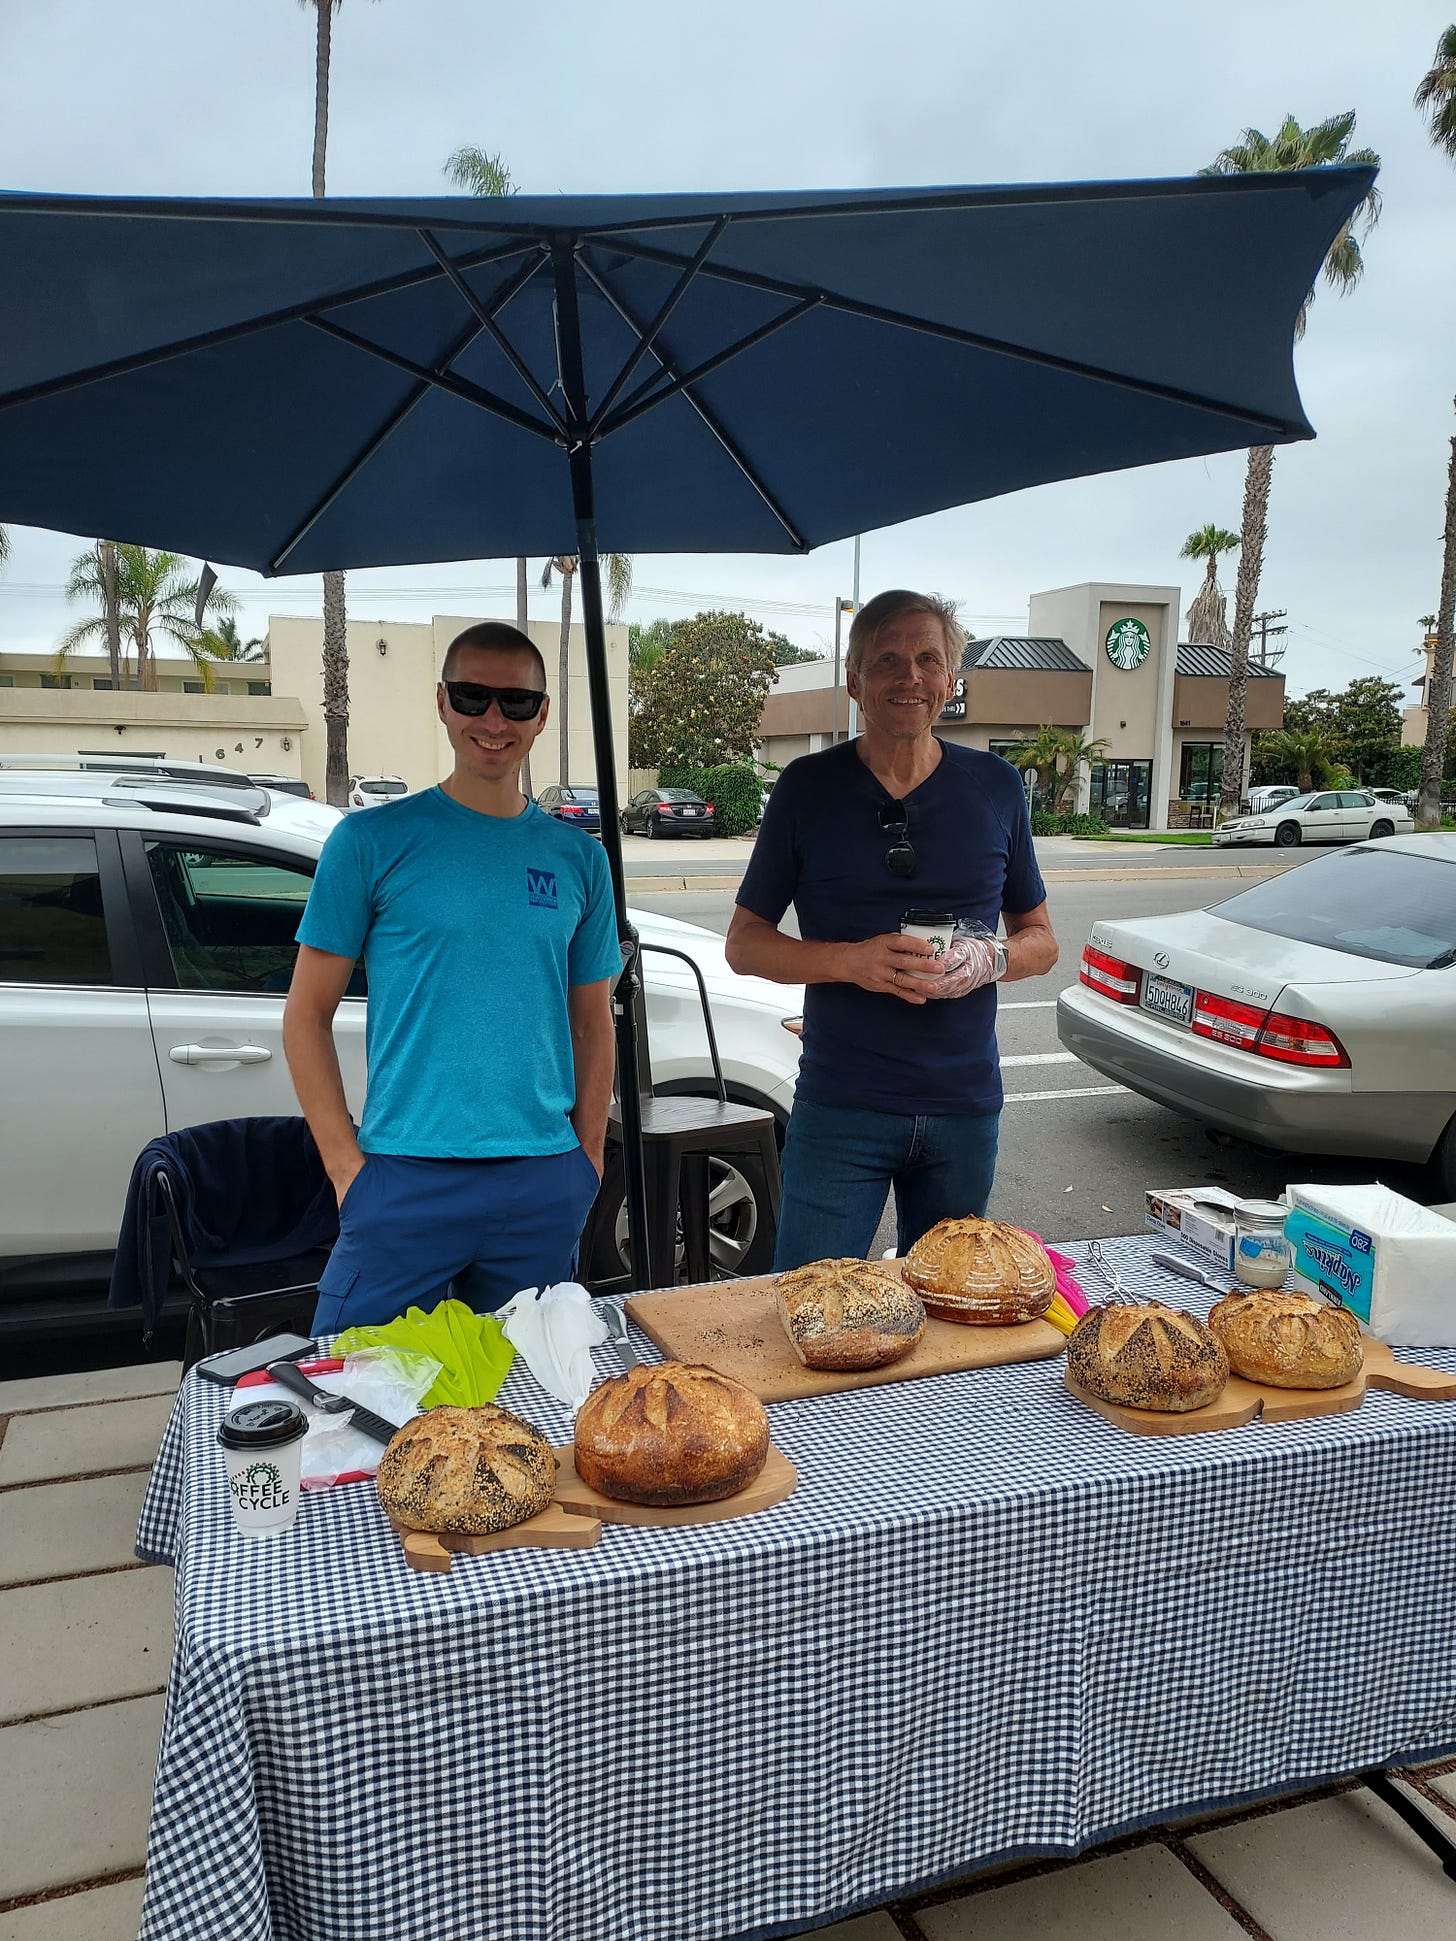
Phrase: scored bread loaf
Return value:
(1288, 1340)
(848, 1314)
(981, 1271)
(466, 1471)
(669, 1433)
(1147, 1357)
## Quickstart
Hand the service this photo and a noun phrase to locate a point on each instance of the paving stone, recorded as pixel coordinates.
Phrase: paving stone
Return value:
(75, 1442)
(1340, 1869)
(865, 1927)
(111, 1913)
(84, 1640)
(95, 1385)
(75, 1795)
(1446, 1787)
(1145, 1895)
(55, 1529)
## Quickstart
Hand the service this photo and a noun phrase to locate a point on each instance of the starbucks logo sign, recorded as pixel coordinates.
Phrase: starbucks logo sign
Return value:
(1128, 644)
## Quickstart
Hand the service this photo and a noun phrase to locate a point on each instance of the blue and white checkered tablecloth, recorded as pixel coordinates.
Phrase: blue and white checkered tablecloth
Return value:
(986, 1624)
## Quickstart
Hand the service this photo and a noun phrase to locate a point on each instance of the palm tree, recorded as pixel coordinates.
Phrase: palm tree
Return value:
(153, 594)
(4, 544)
(224, 642)
(1436, 95)
(336, 642)
(617, 568)
(1291, 147)
(1076, 754)
(1042, 754)
(1307, 751)
(1207, 621)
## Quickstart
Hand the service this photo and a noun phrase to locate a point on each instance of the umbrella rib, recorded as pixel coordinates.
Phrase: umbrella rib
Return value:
(977, 340)
(386, 431)
(645, 397)
(487, 318)
(233, 333)
(649, 336)
(729, 445)
(457, 387)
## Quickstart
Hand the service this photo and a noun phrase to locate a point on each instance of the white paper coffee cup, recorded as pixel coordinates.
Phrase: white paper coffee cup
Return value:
(262, 1443)
(935, 927)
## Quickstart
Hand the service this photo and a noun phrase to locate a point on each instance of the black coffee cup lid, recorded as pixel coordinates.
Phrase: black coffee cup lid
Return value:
(928, 916)
(262, 1425)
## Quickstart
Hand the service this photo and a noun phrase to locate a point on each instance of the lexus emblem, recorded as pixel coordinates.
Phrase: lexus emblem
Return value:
(1162, 960)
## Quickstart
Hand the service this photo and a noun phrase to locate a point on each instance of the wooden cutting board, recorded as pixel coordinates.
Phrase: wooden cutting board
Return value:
(1243, 1401)
(734, 1326)
(775, 1481)
(549, 1529)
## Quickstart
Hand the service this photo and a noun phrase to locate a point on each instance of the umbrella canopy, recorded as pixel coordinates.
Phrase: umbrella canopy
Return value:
(295, 386)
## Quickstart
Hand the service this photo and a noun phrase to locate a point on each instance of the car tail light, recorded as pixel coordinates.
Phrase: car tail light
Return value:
(570, 808)
(1228, 1022)
(708, 807)
(666, 807)
(1299, 1041)
(1110, 975)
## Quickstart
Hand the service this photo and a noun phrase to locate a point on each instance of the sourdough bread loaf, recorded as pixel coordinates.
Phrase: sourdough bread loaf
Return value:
(848, 1314)
(1147, 1357)
(1288, 1340)
(668, 1433)
(981, 1271)
(466, 1471)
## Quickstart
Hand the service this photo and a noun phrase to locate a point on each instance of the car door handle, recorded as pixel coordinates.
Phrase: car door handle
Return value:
(219, 1054)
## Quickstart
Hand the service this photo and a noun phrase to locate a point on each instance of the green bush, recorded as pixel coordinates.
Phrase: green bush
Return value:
(735, 791)
(1043, 824)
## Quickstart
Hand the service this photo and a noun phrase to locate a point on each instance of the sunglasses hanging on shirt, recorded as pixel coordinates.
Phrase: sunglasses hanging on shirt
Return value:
(900, 856)
(516, 703)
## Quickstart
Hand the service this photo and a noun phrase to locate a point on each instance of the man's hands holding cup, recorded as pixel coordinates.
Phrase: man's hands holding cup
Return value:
(896, 964)
(968, 961)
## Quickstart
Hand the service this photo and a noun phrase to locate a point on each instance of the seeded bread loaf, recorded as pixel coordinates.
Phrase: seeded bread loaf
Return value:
(1288, 1340)
(466, 1471)
(667, 1433)
(1147, 1357)
(848, 1313)
(981, 1271)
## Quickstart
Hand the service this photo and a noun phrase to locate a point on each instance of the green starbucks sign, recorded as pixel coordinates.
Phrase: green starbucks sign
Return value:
(1128, 644)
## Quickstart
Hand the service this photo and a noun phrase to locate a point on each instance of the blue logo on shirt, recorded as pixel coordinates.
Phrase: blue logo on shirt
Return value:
(541, 888)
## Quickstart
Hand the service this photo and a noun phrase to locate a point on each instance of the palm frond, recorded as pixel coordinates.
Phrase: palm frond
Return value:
(4, 544)
(618, 571)
(472, 169)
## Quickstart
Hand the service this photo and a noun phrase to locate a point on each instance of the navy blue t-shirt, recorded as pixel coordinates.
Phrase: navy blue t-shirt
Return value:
(822, 849)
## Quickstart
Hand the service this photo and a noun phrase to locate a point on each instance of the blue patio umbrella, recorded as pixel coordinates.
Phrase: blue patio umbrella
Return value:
(300, 385)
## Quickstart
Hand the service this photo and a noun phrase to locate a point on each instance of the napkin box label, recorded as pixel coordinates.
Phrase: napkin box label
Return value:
(1332, 1261)
(1202, 1228)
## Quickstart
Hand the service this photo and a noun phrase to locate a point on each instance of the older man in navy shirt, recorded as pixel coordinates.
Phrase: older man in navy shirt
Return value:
(900, 1083)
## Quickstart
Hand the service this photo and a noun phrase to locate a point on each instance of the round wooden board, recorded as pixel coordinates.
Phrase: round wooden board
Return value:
(776, 1480)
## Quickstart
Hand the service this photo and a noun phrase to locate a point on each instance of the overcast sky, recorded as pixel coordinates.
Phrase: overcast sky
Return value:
(172, 97)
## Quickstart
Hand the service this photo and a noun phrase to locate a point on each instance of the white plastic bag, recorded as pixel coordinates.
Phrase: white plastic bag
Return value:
(554, 1332)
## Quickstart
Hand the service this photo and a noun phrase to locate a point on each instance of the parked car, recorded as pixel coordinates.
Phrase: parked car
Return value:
(581, 807)
(1311, 1012)
(146, 947)
(1326, 815)
(668, 812)
(1395, 797)
(368, 791)
(286, 785)
(1269, 795)
(97, 775)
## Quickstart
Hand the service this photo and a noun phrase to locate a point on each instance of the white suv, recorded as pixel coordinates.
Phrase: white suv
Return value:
(146, 946)
(368, 791)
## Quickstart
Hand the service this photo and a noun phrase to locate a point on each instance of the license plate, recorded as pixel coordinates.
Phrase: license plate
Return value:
(689, 811)
(1169, 999)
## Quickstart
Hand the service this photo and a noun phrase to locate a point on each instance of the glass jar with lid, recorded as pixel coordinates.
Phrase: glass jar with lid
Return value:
(1262, 1255)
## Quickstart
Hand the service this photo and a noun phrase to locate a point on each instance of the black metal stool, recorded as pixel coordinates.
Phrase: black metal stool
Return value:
(678, 1135)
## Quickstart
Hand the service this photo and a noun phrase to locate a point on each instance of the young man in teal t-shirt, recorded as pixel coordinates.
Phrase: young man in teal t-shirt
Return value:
(489, 941)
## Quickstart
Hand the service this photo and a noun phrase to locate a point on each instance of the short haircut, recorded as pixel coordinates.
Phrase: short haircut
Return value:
(496, 637)
(875, 614)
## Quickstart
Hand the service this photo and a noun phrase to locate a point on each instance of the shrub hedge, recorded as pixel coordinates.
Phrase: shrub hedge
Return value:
(1043, 824)
(735, 791)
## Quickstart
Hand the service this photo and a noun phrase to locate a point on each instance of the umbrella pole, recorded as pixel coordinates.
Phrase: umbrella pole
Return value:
(624, 996)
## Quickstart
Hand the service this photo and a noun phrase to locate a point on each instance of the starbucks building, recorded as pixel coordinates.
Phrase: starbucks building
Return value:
(1102, 659)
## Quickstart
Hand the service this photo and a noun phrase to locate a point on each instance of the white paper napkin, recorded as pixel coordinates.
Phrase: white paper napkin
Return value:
(554, 1332)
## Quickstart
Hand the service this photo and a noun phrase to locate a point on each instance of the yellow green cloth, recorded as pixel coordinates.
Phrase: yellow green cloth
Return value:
(472, 1350)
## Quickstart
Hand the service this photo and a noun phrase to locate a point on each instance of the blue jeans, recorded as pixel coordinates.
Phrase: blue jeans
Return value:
(840, 1161)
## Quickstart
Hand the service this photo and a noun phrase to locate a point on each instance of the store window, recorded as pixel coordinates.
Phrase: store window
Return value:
(1200, 775)
(1122, 793)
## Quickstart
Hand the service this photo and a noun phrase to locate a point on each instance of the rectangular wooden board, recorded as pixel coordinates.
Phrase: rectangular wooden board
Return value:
(734, 1326)
(550, 1529)
(774, 1482)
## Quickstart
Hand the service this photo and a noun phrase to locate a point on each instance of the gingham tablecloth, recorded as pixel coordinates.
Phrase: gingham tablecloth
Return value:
(987, 1624)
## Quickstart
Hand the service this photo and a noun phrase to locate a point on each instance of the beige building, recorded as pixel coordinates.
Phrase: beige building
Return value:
(1102, 659)
(267, 716)
(1413, 721)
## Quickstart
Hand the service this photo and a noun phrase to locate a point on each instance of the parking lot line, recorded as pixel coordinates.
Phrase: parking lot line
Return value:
(1040, 1058)
(1078, 1092)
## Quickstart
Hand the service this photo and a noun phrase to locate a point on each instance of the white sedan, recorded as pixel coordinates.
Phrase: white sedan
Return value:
(1326, 815)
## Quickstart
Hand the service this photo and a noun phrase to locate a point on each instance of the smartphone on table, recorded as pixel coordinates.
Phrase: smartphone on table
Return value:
(234, 1363)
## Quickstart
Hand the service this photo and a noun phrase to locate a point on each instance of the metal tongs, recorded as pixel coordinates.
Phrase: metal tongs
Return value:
(1120, 1289)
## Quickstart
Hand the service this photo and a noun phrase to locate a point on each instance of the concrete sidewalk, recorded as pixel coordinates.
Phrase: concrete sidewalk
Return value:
(85, 1643)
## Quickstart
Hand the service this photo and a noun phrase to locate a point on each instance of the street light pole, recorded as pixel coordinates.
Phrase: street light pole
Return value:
(853, 704)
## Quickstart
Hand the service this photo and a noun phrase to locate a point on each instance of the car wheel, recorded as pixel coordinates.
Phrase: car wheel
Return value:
(1286, 836)
(652, 827)
(1378, 829)
(740, 1220)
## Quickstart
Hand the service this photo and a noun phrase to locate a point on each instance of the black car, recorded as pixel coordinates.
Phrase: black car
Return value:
(580, 807)
(289, 784)
(668, 812)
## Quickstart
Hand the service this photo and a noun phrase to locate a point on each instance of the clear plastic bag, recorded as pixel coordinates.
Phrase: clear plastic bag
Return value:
(972, 958)
(386, 1380)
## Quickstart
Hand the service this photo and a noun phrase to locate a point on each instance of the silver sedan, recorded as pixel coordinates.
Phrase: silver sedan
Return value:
(1314, 1012)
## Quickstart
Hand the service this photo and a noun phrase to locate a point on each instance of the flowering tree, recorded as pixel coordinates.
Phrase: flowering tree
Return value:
(700, 704)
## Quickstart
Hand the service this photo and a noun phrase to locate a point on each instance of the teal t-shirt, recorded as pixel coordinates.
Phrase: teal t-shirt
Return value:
(472, 928)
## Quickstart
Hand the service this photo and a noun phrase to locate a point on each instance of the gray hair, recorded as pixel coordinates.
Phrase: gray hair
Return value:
(876, 614)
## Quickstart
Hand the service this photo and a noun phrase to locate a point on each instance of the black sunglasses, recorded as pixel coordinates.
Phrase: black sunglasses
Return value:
(899, 857)
(516, 703)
